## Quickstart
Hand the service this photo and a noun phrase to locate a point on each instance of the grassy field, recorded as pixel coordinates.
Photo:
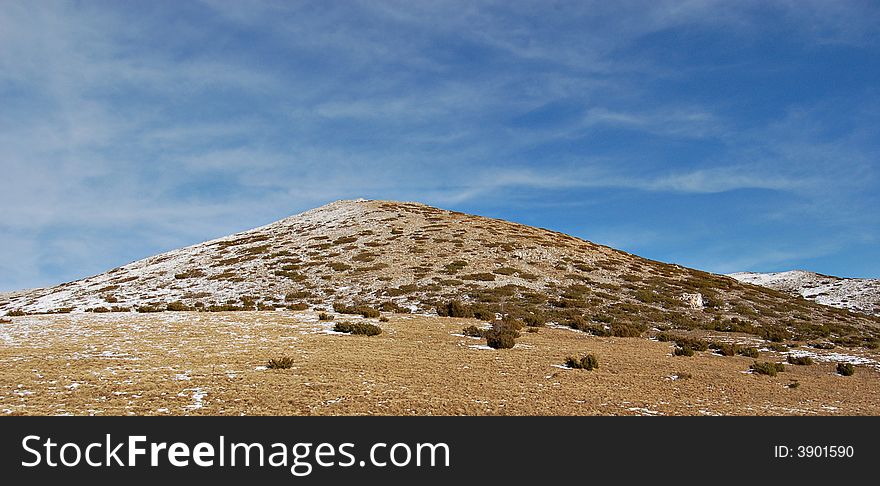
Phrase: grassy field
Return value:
(187, 363)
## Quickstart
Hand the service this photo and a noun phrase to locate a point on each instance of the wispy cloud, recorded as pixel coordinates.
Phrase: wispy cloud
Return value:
(177, 123)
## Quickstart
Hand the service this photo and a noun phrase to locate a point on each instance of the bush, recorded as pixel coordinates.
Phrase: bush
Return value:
(845, 369)
(455, 309)
(693, 343)
(5, 321)
(299, 306)
(800, 360)
(500, 340)
(534, 320)
(98, 310)
(361, 328)
(726, 349)
(280, 363)
(683, 351)
(177, 307)
(620, 329)
(588, 362)
(767, 368)
(749, 352)
(503, 334)
(16, 313)
(384, 319)
(473, 331)
(363, 310)
(148, 308)
(325, 317)
(778, 347)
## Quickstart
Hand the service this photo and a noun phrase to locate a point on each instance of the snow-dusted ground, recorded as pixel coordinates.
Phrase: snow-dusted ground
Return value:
(860, 294)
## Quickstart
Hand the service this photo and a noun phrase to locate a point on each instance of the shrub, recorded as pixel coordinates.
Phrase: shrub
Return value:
(148, 308)
(500, 340)
(767, 368)
(363, 310)
(361, 328)
(664, 337)
(800, 360)
(726, 349)
(5, 321)
(534, 320)
(683, 351)
(454, 308)
(845, 369)
(749, 352)
(483, 313)
(793, 384)
(384, 319)
(473, 331)
(325, 317)
(394, 307)
(778, 347)
(503, 334)
(822, 345)
(620, 329)
(480, 276)
(693, 343)
(280, 363)
(299, 306)
(177, 307)
(98, 310)
(16, 313)
(588, 362)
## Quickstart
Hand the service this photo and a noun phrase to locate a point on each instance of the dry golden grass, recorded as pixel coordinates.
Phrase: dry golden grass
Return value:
(211, 363)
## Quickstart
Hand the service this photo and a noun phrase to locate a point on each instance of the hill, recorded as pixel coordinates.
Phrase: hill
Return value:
(409, 257)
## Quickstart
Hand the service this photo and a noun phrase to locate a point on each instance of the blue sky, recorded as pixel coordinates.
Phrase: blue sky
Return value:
(724, 136)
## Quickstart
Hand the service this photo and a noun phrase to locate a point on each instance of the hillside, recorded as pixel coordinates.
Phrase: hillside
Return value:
(409, 257)
(858, 294)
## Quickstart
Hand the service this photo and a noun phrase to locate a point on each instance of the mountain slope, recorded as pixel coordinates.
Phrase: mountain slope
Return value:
(408, 256)
(860, 294)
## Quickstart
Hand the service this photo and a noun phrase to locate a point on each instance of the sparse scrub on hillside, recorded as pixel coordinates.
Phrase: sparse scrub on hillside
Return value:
(282, 363)
(323, 316)
(846, 369)
(502, 335)
(149, 308)
(473, 331)
(588, 362)
(16, 313)
(800, 360)
(749, 352)
(394, 307)
(357, 309)
(454, 308)
(192, 273)
(480, 276)
(767, 368)
(299, 306)
(683, 351)
(361, 328)
(177, 306)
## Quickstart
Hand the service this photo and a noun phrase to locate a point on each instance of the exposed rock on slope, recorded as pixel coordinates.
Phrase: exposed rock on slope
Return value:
(414, 257)
(860, 294)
